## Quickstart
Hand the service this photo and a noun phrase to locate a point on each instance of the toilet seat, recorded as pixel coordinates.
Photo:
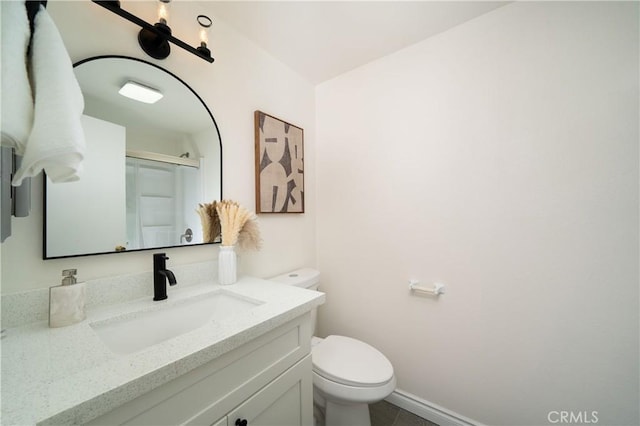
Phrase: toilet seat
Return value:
(351, 362)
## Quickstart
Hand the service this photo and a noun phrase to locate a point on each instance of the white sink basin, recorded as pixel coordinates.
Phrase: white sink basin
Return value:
(138, 330)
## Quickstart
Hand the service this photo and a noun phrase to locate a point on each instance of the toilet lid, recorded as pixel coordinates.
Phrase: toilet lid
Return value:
(351, 362)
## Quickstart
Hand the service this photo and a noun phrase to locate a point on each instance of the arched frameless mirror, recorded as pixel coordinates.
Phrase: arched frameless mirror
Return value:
(146, 168)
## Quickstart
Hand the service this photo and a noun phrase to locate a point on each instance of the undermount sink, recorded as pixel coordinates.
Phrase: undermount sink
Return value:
(138, 330)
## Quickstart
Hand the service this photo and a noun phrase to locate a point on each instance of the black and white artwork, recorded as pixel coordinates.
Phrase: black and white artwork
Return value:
(279, 165)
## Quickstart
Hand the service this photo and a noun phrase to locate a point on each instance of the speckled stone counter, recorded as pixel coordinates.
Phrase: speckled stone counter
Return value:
(68, 376)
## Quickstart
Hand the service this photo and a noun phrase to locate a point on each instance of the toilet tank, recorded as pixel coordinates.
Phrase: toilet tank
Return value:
(308, 278)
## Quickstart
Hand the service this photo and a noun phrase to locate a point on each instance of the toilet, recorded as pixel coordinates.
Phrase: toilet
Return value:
(348, 374)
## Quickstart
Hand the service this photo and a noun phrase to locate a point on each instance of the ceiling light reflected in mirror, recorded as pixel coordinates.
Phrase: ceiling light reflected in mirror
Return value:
(140, 92)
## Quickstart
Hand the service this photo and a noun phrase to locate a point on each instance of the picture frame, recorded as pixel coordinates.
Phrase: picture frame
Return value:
(279, 165)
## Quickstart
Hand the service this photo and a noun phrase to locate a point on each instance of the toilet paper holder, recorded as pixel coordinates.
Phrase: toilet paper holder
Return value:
(436, 290)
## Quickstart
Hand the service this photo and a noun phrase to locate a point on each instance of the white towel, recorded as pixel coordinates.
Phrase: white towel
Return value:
(17, 102)
(56, 143)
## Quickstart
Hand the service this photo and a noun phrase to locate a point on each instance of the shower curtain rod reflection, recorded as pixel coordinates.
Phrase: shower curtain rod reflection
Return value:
(164, 158)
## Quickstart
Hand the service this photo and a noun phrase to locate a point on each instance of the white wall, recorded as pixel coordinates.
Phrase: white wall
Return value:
(501, 158)
(243, 78)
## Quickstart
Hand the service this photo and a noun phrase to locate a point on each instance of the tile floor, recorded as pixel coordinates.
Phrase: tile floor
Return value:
(384, 413)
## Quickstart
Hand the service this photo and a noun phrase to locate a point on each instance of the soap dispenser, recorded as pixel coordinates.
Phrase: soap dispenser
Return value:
(67, 300)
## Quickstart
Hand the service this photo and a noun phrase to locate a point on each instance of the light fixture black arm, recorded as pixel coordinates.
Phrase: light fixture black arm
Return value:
(114, 7)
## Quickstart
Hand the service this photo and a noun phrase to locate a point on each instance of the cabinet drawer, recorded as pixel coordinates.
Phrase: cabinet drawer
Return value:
(287, 401)
(213, 389)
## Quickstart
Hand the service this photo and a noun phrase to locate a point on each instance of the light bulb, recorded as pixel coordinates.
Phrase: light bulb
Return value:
(205, 25)
(204, 37)
(164, 7)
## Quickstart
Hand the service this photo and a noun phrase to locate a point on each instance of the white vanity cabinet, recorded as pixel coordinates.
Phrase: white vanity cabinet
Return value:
(267, 381)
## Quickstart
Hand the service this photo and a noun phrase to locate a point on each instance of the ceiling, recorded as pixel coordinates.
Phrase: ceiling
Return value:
(323, 39)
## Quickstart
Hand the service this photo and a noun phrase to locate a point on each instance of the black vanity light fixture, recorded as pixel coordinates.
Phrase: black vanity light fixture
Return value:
(155, 39)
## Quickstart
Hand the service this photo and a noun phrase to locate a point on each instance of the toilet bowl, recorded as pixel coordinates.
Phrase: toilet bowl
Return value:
(348, 374)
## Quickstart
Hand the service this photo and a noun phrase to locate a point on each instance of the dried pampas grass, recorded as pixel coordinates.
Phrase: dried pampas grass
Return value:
(239, 226)
(249, 237)
(210, 221)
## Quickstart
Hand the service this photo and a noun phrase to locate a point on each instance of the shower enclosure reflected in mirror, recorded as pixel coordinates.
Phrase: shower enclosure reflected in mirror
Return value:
(146, 169)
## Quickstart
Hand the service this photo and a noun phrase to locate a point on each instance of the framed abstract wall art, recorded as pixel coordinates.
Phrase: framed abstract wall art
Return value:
(279, 165)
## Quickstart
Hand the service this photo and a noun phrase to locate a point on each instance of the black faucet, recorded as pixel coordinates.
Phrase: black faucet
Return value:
(160, 274)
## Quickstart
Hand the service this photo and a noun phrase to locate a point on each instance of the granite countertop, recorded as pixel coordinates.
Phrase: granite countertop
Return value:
(68, 375)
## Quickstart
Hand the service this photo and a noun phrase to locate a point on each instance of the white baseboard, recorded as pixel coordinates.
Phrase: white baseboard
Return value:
(428, 410)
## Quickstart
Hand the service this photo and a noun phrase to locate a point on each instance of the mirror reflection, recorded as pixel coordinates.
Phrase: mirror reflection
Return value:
(148, 165)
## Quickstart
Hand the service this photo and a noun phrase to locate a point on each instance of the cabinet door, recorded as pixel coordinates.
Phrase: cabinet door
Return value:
(287, 401)
(221, 422)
